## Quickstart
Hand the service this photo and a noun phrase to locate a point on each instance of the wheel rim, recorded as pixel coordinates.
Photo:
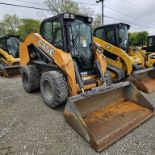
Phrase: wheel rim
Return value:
(47, 90)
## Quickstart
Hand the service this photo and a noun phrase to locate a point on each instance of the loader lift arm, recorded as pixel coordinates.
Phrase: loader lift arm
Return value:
(116, 51)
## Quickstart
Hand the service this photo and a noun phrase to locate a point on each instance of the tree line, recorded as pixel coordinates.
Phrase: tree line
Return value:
(138, 38)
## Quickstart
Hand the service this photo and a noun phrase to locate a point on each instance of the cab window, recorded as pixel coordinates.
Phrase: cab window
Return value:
(52, 32)
(110, 36)
(3, 44)
(151, 42)
(47, 31)
(57, 35)
(100, 34)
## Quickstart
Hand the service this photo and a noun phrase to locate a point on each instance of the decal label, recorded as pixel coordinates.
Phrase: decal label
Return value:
(108, 47)
(46, 48)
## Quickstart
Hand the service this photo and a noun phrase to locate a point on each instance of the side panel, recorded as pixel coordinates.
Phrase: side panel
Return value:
(62, 59)
(24, 55)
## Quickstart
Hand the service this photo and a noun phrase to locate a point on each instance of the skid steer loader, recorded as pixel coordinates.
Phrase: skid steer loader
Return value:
(68, 68)
(123, 62)
(150, 60)
(150, 46)
(149, 50)
(9, 55)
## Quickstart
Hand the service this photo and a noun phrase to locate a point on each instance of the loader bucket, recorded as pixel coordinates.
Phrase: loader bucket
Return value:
(104, 115)
(9, 71)
(144, 80)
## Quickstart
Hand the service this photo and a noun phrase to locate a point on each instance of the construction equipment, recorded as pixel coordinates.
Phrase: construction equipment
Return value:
(9, 55)
(63, 62)
(150, 47)
(150, 62)
(122, 61)
(149, 51)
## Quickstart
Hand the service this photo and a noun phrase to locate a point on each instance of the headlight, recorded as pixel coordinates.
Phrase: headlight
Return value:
(90, 19)
(72, 16)
(66, 16)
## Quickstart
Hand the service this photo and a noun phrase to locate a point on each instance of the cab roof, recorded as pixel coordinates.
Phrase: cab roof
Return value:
(151, 36)
(61, 16)
(115, 24)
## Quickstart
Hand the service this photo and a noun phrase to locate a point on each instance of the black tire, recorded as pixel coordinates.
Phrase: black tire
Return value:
(54, 88)
(107, 78)
(119, 72)
(30, 78)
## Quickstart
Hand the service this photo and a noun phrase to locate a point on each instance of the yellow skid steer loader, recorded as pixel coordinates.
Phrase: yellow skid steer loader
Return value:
(123, 62)
(67, 67)
(149, 48)
(9, 55)
(150, 60)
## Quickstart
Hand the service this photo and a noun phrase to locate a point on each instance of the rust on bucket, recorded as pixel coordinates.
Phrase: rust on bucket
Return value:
(107, 123)
(105, 117)
(149, 84)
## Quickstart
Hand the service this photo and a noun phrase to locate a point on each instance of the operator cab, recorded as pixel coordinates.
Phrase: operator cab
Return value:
(150, 44)
(116, 34)
(10, 44)
(71, 33)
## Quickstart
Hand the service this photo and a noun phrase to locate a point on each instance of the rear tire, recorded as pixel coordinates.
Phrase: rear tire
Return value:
(30, 78)
(54, 89)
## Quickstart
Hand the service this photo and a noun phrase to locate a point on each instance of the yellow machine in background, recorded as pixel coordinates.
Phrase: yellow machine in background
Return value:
(64, 63)
(149, 50)
(150, 46)
(9, 55)
(151, 60)
(114, 41)
(122, 60)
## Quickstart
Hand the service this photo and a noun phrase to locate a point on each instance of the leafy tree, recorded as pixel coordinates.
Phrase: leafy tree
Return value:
(10, 24)
(28, 26)
(138, 38)
(142, 38)
(60, 6)
(3, 30)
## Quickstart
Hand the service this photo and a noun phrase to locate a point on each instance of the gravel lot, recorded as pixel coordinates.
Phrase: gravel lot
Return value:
(28, 127)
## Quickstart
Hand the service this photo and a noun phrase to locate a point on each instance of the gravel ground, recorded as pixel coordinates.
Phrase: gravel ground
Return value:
(28, 127)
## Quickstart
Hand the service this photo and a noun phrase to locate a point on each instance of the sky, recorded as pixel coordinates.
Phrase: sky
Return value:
(139, 14)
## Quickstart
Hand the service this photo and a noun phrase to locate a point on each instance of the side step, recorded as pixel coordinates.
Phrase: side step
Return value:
(104, 115)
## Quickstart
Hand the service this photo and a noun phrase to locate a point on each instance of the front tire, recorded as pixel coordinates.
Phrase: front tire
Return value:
(54, 89)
